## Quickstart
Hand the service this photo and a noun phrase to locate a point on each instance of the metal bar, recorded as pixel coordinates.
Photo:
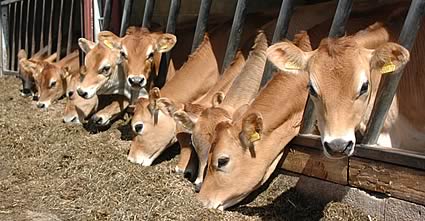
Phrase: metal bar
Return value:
(71, 23)
(5, 12)
(34, 19)
(171, 28)
(50, 42)
(126, 16)
(107, 14)
(82, 34)
(337, 30)
(147, 15)
(59, 43)
(21, 17)
(43, 14)
(201, 24)
(27, 26)
(8, 2)
(340, 19)
(235, 33)
(390, 82)
(12, 53)
(280, 32)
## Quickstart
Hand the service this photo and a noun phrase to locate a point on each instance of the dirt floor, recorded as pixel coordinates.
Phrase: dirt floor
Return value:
(53, 171)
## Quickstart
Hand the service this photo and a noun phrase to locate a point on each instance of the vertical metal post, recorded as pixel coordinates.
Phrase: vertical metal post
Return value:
(107, 13)
(59, 43)
(171, 28)
(201, 24)
(235, 33)
(34, 19)
(147, 15)
(126, 16)
(5, 13)
(27, 27)
(389, 83)
(82, 34)
(280, 32)
(50, 41)
(43, 14)
(21, 17)
(12, 53)
(71, 24)
(337, 30)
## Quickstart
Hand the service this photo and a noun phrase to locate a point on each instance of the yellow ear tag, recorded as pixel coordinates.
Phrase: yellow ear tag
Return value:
(108, 44)
(292, 66)
(254, 137)
(388, 68)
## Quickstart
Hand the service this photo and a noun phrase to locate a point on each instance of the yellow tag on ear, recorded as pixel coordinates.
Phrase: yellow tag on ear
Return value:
(388, 68)
(292, 66)
(108, 44)
(254, 137)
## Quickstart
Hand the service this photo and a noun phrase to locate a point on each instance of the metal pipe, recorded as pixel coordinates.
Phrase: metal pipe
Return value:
(201, 24)
(337, 30)
(171, 28)
(126, 16)
(50, 41)
(81, 53)
(27, 27)
(34, 19)
(21, 17)
(43, 14)
(235, 33)
(107, 13)
(389, 83)
(280, 32)
(147, 15)
(59, 43)
(12, 53)
(71, 23)
(5, 12)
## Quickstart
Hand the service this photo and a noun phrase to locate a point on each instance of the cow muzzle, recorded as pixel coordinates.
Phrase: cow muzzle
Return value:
(136, 81)
(338, 148)
(43, 105)
(86, 94)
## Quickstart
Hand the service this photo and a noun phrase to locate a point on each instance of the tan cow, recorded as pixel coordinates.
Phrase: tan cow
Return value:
(242, 92)
(246, 150)
(153, 121)
(116, 64)
(51, 78)
(344, 78)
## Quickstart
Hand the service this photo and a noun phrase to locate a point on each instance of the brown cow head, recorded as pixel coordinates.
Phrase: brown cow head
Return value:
(155, 128)
(344, 75)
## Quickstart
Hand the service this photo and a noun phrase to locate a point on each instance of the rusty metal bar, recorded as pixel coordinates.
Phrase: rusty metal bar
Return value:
(390, 82)
(107, 13)
(12, 53)
(33, 28)
(126, 16)
(71, 23)
(201, 24)
(147, 15)
(43, 14)
(59, 42)
(280, 32)
(27, 26)
(171, 28)
(5, 30)
(50, 42)
(235, 33)
(337, 30)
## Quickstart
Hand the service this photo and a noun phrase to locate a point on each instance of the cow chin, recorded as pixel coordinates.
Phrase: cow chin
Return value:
(222, 204)
(141, 159)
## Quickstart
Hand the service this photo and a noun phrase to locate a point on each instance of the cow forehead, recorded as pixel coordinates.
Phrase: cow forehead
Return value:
(98, 54)
(138, 45)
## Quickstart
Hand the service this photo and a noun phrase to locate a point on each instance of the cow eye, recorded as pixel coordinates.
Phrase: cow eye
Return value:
(52, 84)
(150, 56)
(105, 70)
(123, 54)
(364, 88)
(222, 162)
(311, 90)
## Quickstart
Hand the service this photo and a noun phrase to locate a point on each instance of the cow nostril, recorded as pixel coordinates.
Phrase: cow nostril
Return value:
(130, 81)
(349, 146)
(138, 128)
(327, 147)
(40, 105)
(82, 93)
(70, 93)
(35, 98)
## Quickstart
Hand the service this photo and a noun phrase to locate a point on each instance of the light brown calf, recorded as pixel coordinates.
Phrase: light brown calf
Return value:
(153, 121)
(242, 92)
(344, 77)
(246, 149)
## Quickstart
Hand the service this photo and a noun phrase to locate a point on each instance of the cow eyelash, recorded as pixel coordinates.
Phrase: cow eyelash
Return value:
(311, 90)
(222, 162)
(150, 56)
(364, 88)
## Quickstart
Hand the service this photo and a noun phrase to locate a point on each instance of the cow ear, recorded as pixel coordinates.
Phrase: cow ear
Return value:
(166, 105)
(65, 72)
(86, 45)
(22, 54)
(109, 40)
(165, 42)
(182, 118)
(33, 66)
(389, 57)
(252, 128)
(288, 57)
(217, 99)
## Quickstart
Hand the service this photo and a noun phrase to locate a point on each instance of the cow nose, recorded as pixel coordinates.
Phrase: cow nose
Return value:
(26, 92)
(136, 81)
(82, 93)
(138, 128)
(40, 105)
(338, 146)
(70, 93)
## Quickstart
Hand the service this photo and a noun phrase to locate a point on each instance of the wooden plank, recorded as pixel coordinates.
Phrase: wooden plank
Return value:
(400, 182)
(311, 162)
